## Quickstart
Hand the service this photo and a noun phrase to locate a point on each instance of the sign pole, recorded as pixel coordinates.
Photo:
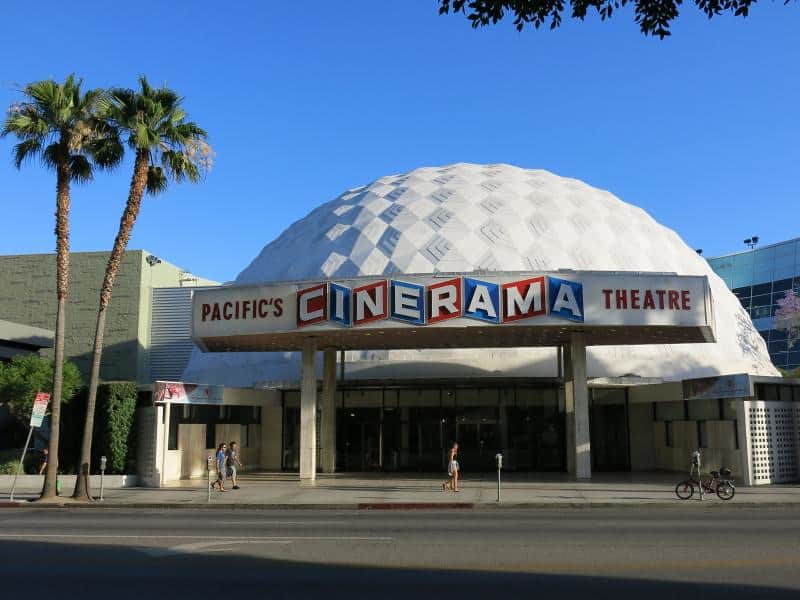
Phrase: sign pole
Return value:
(21, 460)
(37, 415)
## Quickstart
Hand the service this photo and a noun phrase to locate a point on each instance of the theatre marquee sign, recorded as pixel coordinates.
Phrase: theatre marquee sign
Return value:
(566, 299)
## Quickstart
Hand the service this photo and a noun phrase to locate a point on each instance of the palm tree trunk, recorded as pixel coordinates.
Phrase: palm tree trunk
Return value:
(126, 223)
(62, 287)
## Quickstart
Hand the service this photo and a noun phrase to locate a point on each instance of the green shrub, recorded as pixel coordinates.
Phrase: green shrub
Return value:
(27, 374)
(9, 461)
(114, 433)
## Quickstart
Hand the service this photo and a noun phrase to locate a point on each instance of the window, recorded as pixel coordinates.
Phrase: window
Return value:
(669, 411)
(778, 287)
(760, 312)
(777, 346)
(702, 434)
(769, 391)
(211, 436)
(700, 410)
(668, 434)
(762, 288)
(729, 409)
(174, 422)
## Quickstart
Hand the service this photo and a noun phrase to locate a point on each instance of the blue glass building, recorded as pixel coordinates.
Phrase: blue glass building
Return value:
(760, 277)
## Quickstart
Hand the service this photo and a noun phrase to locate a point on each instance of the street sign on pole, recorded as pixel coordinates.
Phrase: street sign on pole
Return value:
(37, 416)
(39, 409)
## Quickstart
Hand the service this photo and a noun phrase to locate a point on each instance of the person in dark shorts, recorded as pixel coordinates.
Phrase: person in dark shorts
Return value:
(45, 454)
(233, 462)
(222, 459)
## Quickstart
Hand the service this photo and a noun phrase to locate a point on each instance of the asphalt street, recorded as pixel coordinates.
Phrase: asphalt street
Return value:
(627, 552)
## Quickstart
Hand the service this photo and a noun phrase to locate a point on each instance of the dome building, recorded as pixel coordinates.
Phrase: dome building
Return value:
(485, 218)
(653, 394)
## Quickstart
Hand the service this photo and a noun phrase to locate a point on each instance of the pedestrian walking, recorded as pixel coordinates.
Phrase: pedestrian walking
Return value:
(45, 454)
(233, 462)
(452, 469)
(222, 460)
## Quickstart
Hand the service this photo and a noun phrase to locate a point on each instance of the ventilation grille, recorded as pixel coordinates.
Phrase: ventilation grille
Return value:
(170, 333)
(774, 431)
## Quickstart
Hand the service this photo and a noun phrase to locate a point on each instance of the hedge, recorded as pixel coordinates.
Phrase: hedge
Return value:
(114, 429)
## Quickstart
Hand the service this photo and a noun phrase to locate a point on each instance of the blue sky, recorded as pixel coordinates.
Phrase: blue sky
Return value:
(701, 130)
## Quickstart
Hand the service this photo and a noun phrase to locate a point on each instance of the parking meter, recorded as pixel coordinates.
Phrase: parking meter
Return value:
(103, 462)
(209, 468)
(695, 464)
(499, 460)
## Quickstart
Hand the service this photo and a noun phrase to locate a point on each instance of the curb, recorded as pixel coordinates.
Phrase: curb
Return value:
(414, 505)
(373, 506)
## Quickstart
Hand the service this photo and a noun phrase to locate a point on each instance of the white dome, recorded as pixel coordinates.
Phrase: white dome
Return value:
(467, 217)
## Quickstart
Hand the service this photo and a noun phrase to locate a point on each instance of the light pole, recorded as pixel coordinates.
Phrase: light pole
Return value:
(752, 242)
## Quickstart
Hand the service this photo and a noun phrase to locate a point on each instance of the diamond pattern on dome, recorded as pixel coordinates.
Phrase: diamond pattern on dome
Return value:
(467, 217)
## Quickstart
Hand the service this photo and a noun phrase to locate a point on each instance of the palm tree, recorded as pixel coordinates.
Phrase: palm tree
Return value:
(55, 123)
(166, 146)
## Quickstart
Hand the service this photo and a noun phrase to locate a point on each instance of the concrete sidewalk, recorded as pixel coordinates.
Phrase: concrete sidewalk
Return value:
(283, 490)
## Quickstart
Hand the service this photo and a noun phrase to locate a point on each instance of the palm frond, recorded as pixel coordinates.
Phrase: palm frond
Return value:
(80, 168)
(157, 181)
(25, 122)
(54, 155)
(26, 150)
(107, 151)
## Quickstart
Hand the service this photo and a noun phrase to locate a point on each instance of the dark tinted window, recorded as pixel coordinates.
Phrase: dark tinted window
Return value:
(762, 288)
(777, 346)
(777, 334)
(781, 284)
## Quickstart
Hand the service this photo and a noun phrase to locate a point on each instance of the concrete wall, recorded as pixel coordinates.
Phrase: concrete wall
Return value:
(720, 443)
(146, 452)
(271, 437)
(260, 444)
(662, 392)
(27, 296)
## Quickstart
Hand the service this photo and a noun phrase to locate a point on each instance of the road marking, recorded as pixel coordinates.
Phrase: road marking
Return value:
(106, 536)
(279, 522)
(202, 547)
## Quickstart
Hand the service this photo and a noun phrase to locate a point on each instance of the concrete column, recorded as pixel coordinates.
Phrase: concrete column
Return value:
(328, 401)
(577, 406)
(569, 406)
(164, 443)
(308, 412)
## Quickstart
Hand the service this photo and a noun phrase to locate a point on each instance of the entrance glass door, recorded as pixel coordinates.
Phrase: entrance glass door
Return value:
(608, 424)
(358, 439)
(478, 439)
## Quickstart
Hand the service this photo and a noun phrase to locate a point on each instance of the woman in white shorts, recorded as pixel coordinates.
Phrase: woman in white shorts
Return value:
(452, 469)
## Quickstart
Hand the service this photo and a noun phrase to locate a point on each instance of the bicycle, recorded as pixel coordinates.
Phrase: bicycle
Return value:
(720, 483)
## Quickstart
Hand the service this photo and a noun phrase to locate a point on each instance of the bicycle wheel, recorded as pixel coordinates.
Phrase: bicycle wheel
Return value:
(725, 490)
(684, 490)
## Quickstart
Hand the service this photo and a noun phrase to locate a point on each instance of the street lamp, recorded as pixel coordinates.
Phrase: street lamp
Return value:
(752, 241)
